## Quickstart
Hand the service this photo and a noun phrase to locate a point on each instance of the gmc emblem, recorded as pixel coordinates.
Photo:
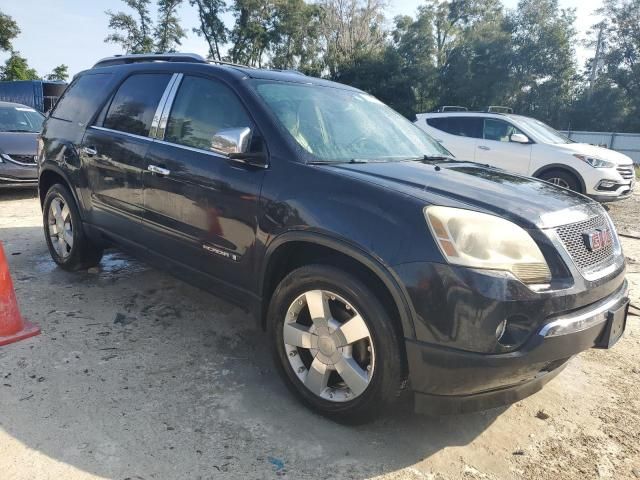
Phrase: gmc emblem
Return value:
(597, 239)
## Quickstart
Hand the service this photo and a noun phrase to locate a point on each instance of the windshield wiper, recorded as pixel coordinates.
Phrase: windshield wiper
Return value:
(18, 131)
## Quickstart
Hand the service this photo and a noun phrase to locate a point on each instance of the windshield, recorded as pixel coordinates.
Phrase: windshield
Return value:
(543, 132)
(20, 119)
(336, 125)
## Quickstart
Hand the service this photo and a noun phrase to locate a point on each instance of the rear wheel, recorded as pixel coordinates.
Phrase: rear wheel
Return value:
(562, 179)
(335, 344)
(68, 245)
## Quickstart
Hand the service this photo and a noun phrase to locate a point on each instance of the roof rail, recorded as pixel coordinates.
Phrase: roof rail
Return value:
(149, 57)
(498, 109)
(451, 108)
(224, 62)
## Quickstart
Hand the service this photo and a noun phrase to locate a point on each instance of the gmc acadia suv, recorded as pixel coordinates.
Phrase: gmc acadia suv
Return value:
(374, 260)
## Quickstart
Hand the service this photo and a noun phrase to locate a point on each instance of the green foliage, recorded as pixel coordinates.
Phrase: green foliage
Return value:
(8, 31)
(137, 34)
(212, 27)
(17, 68)
(131, 33)
(60, 73)
(168, 32)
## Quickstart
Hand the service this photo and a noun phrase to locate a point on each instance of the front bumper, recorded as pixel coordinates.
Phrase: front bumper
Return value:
(15, 175)
(446, 380)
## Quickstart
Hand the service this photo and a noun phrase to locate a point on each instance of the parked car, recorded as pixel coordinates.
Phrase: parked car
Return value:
(19, 129)
(375, 262)
(528, 146)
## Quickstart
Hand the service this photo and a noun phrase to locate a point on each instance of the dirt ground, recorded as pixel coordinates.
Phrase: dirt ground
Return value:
(139, 376)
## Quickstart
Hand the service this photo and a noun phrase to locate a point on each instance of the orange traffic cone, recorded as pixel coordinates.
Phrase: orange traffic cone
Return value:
(12, 326)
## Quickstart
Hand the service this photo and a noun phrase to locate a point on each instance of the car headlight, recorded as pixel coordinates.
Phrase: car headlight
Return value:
(594, 161)
(478, 240)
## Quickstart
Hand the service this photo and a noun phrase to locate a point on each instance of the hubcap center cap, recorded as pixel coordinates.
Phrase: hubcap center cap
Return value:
(326, 346)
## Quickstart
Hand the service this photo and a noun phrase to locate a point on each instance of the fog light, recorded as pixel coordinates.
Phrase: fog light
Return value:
(607, 184)
(502, 327)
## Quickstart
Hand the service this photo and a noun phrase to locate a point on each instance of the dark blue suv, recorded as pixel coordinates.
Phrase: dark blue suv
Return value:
(376, 261)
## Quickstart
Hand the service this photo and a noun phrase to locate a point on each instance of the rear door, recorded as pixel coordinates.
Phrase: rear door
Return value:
(460, 134)
(200, 208)
(497, 149)
(113, 153)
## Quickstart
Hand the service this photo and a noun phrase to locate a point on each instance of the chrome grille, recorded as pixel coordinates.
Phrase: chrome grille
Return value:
(572, 237)
(626, 172)
(22, 159)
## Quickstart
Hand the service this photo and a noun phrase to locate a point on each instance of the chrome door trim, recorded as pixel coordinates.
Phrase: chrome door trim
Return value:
(156, 117)
(171, 96)
(110, 130)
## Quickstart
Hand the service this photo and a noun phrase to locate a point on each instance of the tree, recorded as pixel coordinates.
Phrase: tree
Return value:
(17, 68)
(60, 73)
(212, 28)
(351, 30)
(618, 69)
(250, 37)
(543, 59)
(133, 35)
(294, 42)
(8, 31)
(168, 32)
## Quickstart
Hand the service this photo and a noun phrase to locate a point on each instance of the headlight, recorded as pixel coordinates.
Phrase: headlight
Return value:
(594, 161)
(479, 240)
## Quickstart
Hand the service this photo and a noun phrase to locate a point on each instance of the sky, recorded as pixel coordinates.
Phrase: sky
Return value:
(73, 31)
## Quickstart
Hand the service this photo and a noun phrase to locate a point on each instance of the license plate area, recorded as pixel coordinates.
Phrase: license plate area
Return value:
(616, 324)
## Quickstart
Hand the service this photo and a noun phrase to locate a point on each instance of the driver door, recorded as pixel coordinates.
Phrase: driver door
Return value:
(200, 208)
(497, 149)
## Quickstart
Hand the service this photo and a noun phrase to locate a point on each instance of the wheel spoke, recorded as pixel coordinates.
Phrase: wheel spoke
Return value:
(61, 246)
(57, 211)
(354, 376)
(65, 213)
(317, 377)
(318, 308)
(297, 335)
(68, 237)
(351, 331)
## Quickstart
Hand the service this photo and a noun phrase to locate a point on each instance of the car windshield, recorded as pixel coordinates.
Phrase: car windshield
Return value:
(543, 132)
(336, 125)
(20, 119)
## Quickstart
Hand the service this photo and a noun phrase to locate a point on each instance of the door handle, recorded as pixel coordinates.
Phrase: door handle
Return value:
(482, 147)
(158, 170)
(90, 151)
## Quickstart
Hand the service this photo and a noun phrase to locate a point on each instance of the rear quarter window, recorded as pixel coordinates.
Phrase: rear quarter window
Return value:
(80, 100)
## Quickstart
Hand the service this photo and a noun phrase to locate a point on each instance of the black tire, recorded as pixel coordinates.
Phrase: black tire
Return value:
(563, 179)
(387, 379)
(83, 253)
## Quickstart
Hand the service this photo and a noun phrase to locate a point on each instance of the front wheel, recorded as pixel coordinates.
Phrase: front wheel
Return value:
(68, 245)
(562, 179)
(335, 344)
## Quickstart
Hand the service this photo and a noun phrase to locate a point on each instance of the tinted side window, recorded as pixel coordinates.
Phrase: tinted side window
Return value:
(201, 108)
(462, 126)
(498, 130)
(135, 103)
(78, 103)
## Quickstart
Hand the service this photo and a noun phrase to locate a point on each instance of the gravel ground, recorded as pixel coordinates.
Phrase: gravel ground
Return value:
(139, 376)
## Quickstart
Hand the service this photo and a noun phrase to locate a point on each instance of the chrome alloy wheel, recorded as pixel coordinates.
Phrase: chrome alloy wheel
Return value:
(60, 228)
(329, 346)
(559, 182)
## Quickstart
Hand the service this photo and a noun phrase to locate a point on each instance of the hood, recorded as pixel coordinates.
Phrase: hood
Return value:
(594, 151)
(526, 201)
(14, 143)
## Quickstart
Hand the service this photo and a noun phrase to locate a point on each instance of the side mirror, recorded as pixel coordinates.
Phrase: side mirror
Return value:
(519, 138)
(231, 140)
(235, 144)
